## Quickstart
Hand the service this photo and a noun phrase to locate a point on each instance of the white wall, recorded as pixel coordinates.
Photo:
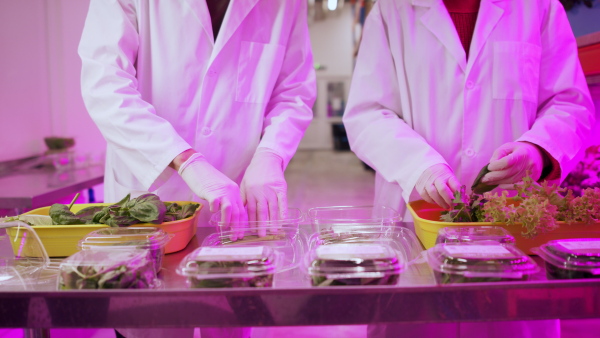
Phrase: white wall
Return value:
(39, 77)
(331, 41)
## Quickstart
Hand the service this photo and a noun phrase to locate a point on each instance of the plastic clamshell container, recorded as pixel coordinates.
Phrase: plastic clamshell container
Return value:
(474, 234)
(107, 269)
(148, 238)
(22, 266)
(427, 224)
(571, 258)
(353, 264)
(293, 218)
(230, 267)
(288, 241)
(62, 240)
(324, 218)
(479, 262)
(401, 239)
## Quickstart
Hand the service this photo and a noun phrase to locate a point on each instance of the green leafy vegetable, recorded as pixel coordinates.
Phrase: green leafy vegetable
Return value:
(147, 208)
(233, 267)
(383, 271)
(479, 187)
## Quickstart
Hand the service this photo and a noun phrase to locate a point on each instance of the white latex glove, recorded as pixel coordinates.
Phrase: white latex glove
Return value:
(510, 163)
(221, 193)
(264, 190)
(437, 185)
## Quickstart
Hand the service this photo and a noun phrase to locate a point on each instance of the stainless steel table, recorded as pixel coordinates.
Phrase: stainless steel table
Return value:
(292, 301)
(40, 187)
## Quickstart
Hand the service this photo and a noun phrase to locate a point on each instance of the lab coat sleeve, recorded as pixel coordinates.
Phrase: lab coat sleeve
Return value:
(289, 110)
(565, 109)
(145, 142)
(373, 118)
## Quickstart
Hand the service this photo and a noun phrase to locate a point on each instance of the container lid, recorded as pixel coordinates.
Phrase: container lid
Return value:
(581, 254)
(474, 234)
(229, 262)
(353, 215)
(293, 218)
(137, 237)
(481, 259)
(23, 257)
(289, 242)
(108, 269)
(353, 260)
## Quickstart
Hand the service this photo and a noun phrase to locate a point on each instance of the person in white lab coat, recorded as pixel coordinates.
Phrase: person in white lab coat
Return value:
(442, 88)
(199, 98)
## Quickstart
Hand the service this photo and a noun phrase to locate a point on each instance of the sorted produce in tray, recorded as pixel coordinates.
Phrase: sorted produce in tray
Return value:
(147, 208)
(571, 258)
(230, 267)
(105, 269)
(353, 264)
(479, 262)
(148, 238)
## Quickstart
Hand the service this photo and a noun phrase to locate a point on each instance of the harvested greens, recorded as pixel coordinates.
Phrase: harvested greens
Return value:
(479, 262)
(104, 269)
(229, 267)
(147, 208)
(354, 264)
(538, 207)
(571, 258)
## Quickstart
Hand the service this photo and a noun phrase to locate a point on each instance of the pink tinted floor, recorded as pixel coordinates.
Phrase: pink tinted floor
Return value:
(321, 178)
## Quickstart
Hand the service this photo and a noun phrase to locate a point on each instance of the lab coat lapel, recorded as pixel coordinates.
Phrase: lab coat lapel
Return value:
(438, 21)
(201, 11)
(487, 18)
(236, 13)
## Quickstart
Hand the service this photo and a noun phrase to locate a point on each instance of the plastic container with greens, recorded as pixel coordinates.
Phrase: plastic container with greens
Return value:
(478, 262)
(148, 238)
(354, 264)
(474, 234)
(571, 258)
(230, 267)
(108, 269)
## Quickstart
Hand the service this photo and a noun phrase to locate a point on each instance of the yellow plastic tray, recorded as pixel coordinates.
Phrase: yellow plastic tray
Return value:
(62, 240)
(426, 218)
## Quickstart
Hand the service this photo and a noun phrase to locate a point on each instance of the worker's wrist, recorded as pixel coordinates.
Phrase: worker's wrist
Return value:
(181, 158)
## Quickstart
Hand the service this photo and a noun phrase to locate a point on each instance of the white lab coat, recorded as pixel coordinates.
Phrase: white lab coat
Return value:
(416, 101)
(156, 83)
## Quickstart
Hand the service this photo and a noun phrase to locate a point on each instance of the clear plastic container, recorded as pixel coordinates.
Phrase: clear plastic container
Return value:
(148, 238)
(398, 238)
(478, 262)
(293, 218)
(354, 264)
(108, 269)
(22, 258)
(571, 258)
(474, 234)
(289, 241)
(324, 218)
(230, 267)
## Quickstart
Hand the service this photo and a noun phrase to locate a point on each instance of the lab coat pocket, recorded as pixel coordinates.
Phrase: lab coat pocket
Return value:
(516, 71)
(258, 69)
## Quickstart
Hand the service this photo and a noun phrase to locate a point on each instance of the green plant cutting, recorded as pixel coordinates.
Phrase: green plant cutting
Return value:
(537, 207)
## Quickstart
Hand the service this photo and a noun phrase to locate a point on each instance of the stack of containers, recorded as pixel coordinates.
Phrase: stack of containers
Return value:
(571, 258)
(246, 255)
(116, 258)
(471, 234)
(358, 246)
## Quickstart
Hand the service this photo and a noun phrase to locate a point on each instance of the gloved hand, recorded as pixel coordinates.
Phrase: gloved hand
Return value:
(218, 190)
(510, 163)
(437, 185)
(264, 190)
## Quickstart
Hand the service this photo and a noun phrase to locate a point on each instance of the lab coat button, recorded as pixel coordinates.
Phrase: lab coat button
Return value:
(470, 85)
(469, 152)
(206, 131)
